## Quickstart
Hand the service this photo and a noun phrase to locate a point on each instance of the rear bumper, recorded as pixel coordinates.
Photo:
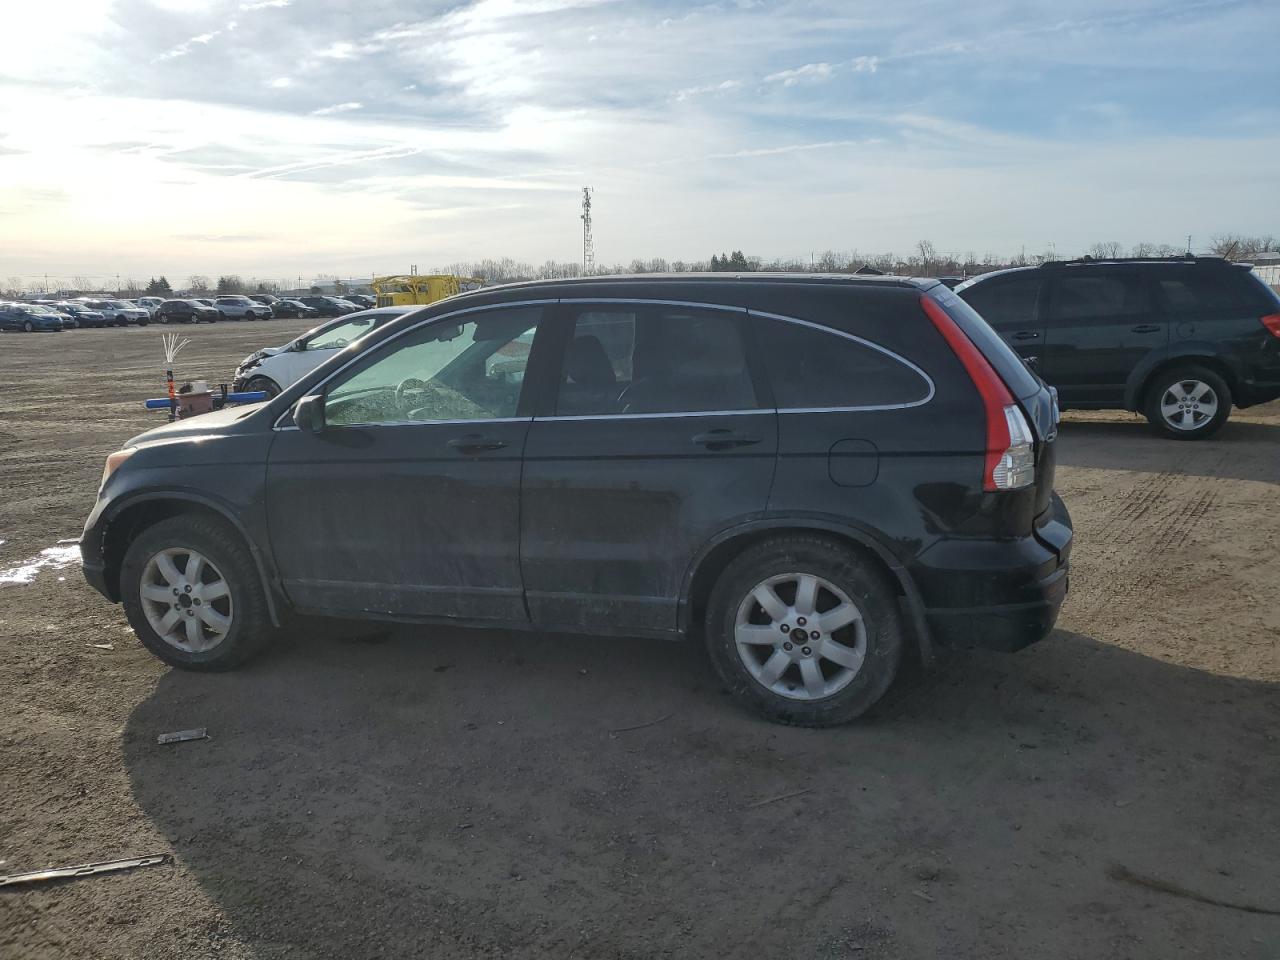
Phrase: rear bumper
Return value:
(1250, 393)
(997, 594)
(1006, 627)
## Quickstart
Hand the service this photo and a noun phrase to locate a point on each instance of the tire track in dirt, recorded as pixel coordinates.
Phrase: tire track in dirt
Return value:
(1127, 555)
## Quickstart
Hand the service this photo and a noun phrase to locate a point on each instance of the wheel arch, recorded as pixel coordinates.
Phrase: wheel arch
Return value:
(131, 518)
(711, 561)
(1200, 354)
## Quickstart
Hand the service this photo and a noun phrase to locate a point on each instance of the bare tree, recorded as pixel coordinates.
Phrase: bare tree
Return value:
(198, 283)
(13, 287)
(1234, 246)
(1107, 250)
(928, 255)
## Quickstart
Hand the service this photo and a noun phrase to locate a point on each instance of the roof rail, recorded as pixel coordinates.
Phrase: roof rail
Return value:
(1180, 258)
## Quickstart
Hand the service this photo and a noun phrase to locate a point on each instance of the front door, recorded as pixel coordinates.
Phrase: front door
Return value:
(407, 503)
(655, 441)
(1100, 324)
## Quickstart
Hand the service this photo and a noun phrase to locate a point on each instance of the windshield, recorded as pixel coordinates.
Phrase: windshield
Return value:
(339, 335)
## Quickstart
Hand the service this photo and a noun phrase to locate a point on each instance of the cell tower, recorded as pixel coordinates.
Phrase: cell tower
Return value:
(588, 251)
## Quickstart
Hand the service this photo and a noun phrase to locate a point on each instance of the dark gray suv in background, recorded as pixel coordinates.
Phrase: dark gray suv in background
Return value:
(1181, 339)
(814, 474)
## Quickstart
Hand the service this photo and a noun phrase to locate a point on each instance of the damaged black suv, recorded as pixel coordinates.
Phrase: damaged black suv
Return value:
(812, 474)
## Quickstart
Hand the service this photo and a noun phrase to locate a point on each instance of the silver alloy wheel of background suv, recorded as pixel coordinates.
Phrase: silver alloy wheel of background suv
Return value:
(1188, 404)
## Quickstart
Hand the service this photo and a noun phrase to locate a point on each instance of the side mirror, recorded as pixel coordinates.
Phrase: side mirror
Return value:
(308, 414)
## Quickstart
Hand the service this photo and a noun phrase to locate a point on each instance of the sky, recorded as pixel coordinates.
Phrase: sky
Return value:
(283, 137)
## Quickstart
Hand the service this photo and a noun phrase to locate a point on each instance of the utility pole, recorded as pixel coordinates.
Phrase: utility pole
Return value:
(1188, 244)
(588, 251)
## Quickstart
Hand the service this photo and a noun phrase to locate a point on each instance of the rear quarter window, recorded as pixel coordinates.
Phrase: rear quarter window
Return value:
(1218, 291)
(813, 367)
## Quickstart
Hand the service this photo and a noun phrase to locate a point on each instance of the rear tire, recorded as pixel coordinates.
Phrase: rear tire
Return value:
(843, 640)
(230, 624)
(29, 327)
(1187, 402)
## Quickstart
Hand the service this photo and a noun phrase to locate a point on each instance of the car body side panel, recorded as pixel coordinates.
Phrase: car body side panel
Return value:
(614, 509)
(393, 519)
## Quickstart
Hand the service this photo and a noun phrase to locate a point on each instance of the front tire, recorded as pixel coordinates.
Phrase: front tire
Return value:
(193, 596)
(265, 384)
(804, 631)
(1188, 402)
(29, 327)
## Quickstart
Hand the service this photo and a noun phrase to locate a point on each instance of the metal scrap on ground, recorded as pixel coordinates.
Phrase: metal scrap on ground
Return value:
(200, 733)
(83, 870)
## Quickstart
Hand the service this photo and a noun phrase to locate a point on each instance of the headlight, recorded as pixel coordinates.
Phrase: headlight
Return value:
(113, 463)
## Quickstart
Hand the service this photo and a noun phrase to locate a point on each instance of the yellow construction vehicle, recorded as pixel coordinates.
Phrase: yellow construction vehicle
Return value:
(420, 288)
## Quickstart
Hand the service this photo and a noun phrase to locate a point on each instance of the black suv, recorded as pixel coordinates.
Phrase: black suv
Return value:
(185, 311)
(812, 473)
(329, 306)
(1179, 339)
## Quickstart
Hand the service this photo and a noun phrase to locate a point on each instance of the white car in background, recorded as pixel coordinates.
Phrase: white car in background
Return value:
(149, 304)
(273, 369)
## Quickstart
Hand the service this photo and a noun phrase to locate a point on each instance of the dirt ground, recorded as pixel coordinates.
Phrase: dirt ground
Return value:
(445, 794)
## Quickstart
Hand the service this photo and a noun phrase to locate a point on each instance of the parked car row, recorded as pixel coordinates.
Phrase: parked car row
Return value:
(57, 315)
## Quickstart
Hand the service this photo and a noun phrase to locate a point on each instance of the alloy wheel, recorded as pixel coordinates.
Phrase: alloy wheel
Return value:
(1188, 404)
(800, 636)
(186, 600)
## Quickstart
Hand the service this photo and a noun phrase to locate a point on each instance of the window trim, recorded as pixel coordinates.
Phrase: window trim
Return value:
(578, 301)
(318, 387)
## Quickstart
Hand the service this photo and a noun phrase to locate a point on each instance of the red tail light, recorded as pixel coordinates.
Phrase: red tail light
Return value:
(1272, 322)
(1010, 461)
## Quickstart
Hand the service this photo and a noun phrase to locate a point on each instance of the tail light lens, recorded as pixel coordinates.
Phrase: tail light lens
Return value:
(1010, 462)
(1272, 322)
(1016, 467)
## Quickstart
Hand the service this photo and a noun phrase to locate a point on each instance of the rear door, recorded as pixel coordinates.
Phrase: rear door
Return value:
(657, 438)
(1011, 304)
(1100, 325)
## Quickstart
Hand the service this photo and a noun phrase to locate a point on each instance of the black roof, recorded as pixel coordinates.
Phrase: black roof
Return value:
(1086, 260)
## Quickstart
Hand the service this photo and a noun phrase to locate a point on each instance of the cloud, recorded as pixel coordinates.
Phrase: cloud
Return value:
(770, 123)
(724, 86)
(182, 49)
(809, 73)
(337, 108)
